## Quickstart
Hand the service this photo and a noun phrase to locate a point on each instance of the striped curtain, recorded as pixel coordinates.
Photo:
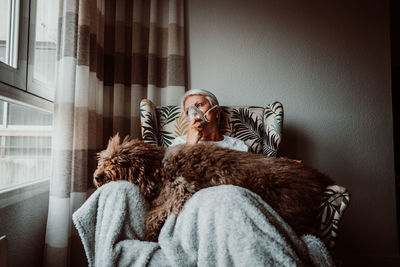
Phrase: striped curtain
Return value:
(111, 54)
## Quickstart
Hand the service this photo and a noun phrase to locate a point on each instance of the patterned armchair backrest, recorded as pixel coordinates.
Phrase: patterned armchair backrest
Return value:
(260, 128)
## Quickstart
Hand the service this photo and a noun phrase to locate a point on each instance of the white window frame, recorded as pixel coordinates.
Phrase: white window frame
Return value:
(13, 28)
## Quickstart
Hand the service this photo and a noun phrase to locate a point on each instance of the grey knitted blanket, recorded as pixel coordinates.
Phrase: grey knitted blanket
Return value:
(219, 226)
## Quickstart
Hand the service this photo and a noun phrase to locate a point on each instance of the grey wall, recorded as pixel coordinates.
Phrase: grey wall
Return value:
(328, 62)
(24, 223)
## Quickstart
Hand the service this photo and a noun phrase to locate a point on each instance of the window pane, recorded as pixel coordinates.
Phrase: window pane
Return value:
(25, 146)
(46, 41)
(9, 24)
(20, 115)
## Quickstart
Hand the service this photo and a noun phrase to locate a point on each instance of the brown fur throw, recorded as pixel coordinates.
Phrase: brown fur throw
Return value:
(169, 177)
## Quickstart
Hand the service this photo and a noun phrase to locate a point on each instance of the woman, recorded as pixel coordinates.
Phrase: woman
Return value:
(203, 113)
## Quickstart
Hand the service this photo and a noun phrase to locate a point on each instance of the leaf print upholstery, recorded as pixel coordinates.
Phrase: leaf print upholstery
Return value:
(273, 117)
(149, 122)
(167, 116)
(249, 128)
(336, 200)
(181, 125)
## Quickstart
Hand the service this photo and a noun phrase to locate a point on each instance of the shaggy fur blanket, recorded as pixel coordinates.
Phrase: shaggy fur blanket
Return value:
(167, 178)
(219, 226)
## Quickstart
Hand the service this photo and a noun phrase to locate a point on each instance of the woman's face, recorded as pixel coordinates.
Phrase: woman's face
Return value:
(201, 103)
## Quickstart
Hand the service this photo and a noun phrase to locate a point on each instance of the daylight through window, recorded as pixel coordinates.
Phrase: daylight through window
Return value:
(45, 41)
(25, 144)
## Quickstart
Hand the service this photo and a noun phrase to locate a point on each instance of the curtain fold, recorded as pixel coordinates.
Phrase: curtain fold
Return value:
(111, 54)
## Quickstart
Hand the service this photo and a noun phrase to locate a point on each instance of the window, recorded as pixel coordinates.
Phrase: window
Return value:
(28, 45)
(25, 144)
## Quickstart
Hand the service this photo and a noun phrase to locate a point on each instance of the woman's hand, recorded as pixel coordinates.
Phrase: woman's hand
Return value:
(194, 131)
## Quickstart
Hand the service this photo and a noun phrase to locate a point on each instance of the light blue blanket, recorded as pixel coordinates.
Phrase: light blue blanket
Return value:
(219, 226)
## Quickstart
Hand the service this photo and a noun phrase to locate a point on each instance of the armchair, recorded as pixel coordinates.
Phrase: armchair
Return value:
(260, 128)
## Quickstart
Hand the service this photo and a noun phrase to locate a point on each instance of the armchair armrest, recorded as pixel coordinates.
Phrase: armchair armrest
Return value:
(335, 202)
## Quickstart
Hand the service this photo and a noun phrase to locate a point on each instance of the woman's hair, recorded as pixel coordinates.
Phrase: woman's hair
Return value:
(209, 96)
